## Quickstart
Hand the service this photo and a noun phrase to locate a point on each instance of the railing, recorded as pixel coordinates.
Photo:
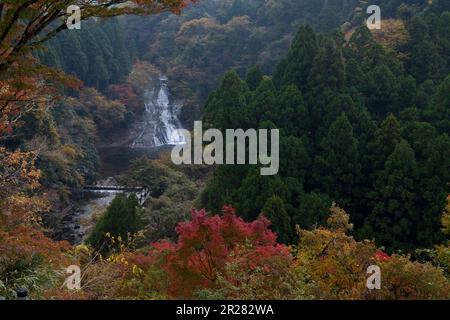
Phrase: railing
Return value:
(141, 192)
(113, 188)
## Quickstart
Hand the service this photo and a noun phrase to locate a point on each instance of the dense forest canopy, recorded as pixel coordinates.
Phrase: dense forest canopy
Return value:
(364, 120)
(357, 129)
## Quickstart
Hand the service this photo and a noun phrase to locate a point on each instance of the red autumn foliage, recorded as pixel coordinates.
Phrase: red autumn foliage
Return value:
(381, 256)
(206, 244)
(126, 95)
(28, 86)
(23, 243)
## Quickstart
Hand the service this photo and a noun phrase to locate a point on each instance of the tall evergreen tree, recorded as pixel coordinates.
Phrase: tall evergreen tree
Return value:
(382, 92)
(254, 77)
(293, 115)
(121, 219)
(122, 56)
(394, 216)
(424, 60)
(220, 190)
(264, 103)
(432, 153)
(227, 106)
(274, 209)
(313, 210)
(255, 190)
(357, 115)
(296, 68)
(387, 137)
(338, 165)
(327, 70)
(439, 109)
(97, 75)
(295, 161)
(73, 55)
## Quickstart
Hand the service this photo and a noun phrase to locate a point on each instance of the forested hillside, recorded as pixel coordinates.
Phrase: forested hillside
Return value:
(363, 125)
(364, 175)
(208, 39)
(104, 102)
(196, 48)
(97, 54)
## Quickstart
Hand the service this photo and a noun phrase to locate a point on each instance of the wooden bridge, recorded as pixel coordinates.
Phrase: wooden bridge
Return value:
(142, 193)
(113, 188)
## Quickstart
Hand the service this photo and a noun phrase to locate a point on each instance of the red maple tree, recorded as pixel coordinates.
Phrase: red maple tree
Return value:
(206, 244)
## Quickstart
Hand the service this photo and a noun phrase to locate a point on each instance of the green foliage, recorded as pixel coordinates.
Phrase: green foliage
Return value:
(226, 107)
(425, 62)
(296, 68)
(121, 220)
(197, 48)
(339, 167)
(36, 278)
(275, 211)
(293, 112)
(327, 69)
(98, 54)
(173, 192)
(313, 210)
(439, 108)
(254, 192)
(263, 104)
(360, 125)
(254, 77)
(395, 212)
(148, 174)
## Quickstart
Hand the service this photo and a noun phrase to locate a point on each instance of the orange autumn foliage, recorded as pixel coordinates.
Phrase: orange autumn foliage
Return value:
(334, 266)
(27, 86)
(208, 245)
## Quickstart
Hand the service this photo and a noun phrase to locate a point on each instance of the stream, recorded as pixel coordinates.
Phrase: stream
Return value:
(155, 132)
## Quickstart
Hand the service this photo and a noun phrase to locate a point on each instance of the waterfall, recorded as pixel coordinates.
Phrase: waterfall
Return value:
(160, 123)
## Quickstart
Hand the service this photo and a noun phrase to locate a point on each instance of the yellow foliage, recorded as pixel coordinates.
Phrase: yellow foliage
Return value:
(446, 218)
(392, 35)
(18, 172)
(334, 265)
(339, 220)
(403, 279)
(70, 151)
(23, 209)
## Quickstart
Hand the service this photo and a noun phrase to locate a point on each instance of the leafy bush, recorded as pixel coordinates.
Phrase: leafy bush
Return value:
(121, 219)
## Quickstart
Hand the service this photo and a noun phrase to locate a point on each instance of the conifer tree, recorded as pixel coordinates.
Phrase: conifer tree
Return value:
(97, 75)
(327, 70)
(432, 153)
(338, 170)
(439, 109)
(313, 210)
(382, 92)
(293, 115)
(295, 161)
(424, 61)
(73, 54)
(264, 103)
(227, 106)
(387, 137)
(358, 116)
(254, 77)
(121, 219)
(296, 68)
(255, 190)
(395, 215)
(275, 211)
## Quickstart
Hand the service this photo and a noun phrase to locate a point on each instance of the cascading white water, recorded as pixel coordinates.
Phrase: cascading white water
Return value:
(158, 127)
(160, 123)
